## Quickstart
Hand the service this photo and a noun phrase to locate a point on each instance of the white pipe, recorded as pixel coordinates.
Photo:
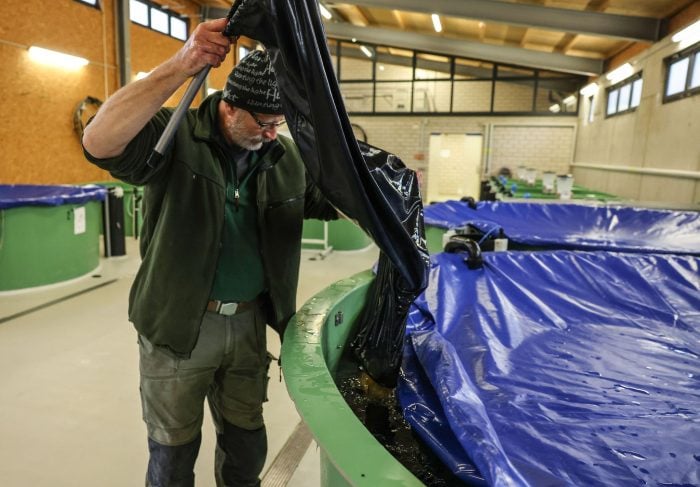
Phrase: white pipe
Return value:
(676, 173)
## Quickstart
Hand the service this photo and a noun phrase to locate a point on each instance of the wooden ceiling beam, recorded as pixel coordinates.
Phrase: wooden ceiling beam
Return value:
(399, 19)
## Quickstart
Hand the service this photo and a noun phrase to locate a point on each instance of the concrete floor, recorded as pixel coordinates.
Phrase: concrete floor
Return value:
(70, 411)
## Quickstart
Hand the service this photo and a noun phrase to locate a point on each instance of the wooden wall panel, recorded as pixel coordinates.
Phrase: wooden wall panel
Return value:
(63, 25)
(39, 143)
(36, 127)
(149, 49)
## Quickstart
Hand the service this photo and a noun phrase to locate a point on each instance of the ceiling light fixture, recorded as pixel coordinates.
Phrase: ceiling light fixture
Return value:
(689, 35)
(367, 52)
(325, 12)
(555, 108)
(624, 71)
(437, 25)
(54, 58)
(589, 90)
(569, 100)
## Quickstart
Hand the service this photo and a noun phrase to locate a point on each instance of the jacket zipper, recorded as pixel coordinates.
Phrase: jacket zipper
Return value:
(283, 202)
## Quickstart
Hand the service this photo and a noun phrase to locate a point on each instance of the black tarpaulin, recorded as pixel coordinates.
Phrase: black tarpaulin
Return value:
(367, 184)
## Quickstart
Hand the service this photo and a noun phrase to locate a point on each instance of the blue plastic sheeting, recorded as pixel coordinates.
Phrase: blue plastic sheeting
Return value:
(16, 195)
(448, 214)
(559, 368)
(574, 226)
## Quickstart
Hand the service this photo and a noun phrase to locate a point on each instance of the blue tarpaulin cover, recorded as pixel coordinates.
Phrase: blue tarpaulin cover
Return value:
(559, 368)
(16, 195)
(575, 226)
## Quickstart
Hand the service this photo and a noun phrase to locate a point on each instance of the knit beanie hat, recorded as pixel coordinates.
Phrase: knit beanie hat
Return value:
(252, 85)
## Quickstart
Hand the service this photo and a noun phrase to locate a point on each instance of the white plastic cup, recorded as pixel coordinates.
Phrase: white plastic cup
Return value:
(531, 176)
(548, 181)
(521, 173)
(565, 184)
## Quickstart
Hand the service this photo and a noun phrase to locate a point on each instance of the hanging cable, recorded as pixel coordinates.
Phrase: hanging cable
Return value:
(78, 124)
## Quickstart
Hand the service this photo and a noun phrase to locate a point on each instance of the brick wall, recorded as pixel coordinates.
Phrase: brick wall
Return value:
(541, 142)
(545, 148)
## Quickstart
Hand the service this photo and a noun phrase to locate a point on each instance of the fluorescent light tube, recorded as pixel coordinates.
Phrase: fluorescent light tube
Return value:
(367, 52)
(569, 100)
(437, 25)
(555, 108)
(589, 89)
(54, 58)
(624, 71)
(324, 11)
(689, 35)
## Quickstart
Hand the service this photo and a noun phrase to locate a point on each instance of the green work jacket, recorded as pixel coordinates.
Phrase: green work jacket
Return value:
(184, 198)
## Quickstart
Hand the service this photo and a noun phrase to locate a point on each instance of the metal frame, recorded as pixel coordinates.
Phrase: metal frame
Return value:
(467, 49)
(327, 249)
(123, 34)
(634, 28)
(693, 53)
(618, 86)
(535, 81)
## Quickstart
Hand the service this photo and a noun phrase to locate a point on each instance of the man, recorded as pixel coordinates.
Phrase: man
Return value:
(220, 247)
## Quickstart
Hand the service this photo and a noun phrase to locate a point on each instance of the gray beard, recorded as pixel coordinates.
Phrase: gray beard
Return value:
(249, 144)
(242, 140)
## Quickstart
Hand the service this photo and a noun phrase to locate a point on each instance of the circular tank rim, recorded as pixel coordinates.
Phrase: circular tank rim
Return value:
(312, 345)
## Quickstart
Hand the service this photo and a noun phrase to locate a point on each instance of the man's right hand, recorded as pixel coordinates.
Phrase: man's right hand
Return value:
(206, 45)
(128, 110)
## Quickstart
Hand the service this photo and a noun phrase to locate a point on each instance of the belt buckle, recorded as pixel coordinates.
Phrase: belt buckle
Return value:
(228, 309)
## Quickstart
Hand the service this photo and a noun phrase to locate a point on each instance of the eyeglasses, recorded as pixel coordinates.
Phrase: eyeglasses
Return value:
(266, 125)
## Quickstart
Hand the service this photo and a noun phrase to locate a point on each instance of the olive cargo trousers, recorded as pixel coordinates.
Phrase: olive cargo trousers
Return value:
(229, 367)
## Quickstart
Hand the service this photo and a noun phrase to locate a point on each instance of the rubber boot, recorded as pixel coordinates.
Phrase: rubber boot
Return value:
(240, 456)
(172, 466)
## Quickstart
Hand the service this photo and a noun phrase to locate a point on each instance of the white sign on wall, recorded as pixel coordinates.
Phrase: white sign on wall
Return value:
(79, 220)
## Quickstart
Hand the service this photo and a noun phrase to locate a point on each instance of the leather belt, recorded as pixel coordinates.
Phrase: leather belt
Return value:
(228, 309)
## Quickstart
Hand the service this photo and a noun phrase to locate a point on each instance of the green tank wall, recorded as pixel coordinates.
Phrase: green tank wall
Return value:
(38, 245)
(342, 235)
(312, 349)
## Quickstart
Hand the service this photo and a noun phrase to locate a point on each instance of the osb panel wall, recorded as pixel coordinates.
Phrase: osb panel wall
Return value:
(150, 48)
(39, 143)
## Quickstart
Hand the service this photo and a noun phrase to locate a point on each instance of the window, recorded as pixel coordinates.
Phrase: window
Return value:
(92, 3)
(625, 96)
(138, 11)
(682, 74)
(159, 21)
(387, 80)
(157, 18)
(636, 92)
(178, 28)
